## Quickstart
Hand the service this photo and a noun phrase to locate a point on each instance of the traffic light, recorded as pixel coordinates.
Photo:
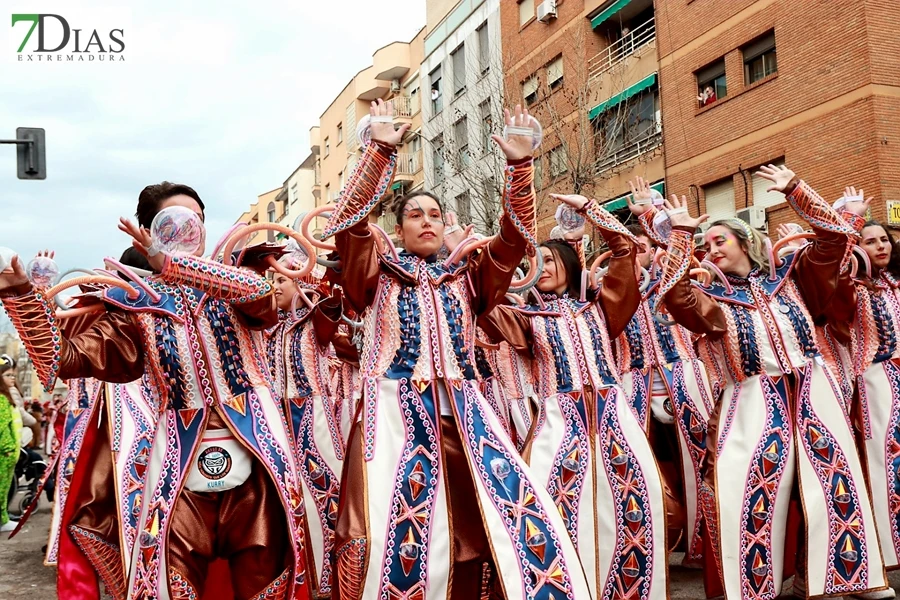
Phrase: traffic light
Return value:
(31, 156)
(31, 152)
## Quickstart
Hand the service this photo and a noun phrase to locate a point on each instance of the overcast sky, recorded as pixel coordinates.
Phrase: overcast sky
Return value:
(219, 95)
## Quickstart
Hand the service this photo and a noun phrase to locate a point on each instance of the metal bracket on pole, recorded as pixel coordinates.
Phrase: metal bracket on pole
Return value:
(31, 152)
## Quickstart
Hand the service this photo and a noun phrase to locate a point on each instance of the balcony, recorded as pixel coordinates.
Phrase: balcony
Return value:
(408, 165)
(642, 39)
(615, 157)
(404, 107)
(317, 183)
(387, 221)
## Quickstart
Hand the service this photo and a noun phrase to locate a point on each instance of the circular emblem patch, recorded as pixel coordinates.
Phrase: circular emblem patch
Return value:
(214, 462)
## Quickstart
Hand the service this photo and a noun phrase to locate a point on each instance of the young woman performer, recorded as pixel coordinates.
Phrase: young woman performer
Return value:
(427, 455)
(221, 482)
(780, 419)
(874, 297)
(297, 352)
(664, 378)
(588, 446)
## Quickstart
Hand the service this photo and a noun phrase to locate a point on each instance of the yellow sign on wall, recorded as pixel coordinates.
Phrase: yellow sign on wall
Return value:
(893, 211)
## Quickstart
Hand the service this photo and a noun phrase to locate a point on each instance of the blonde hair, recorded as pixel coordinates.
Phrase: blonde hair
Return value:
(751, 240)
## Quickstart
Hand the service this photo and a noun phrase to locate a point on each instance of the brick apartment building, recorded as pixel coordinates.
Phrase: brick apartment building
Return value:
(588, 70)
(811, 83)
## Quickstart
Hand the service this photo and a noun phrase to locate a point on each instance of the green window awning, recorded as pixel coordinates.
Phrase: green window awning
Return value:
(397, 185)
(621, 202)
(280, 236)
(606, 14)
(640, 86)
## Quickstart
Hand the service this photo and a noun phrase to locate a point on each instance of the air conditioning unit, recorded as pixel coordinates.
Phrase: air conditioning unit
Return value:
(395, 86)
(546, 11)
(755, 216)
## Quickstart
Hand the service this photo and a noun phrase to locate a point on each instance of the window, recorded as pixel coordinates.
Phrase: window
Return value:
(761, 195)
(719, 199)
(530, 89)
(437, 102)
(270, 212)
(341, 179)
(461, 139)
(484, 48)
(437, 157)
(711, 83)
(340, 133)
(626, 124)
(459, 70)
(327, 147)
(555, 73)
(760, 58)
(526, 11)
(464, 209)
(558, 163)
(293, 194)
(327, 192)
(487, 125)
(538, 172)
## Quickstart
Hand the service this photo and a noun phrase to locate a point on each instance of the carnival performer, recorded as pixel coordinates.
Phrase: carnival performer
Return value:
(872, 320)
(221, 482)
(427, 455)
(10, 426)
(101, 455)
(508, 385)
(780, 420)
(297, 352)
(588, 446)
(666, 380)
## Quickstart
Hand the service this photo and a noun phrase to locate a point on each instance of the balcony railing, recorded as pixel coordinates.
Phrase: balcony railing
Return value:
(387, 221)
(409, 164)
(621, 49)
(629, 151)
(405, 106)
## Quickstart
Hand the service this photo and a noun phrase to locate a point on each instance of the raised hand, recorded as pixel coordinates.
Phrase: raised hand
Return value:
(383, 130)
(516, 147)
(677, 210)
(854, 201)
(141, 240)
(576, 201)
(454, 234)
(787, 229)
(641, 199)
(14, 276)
(780, 177)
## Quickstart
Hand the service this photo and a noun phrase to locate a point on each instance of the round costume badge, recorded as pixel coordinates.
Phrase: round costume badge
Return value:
(214, 462)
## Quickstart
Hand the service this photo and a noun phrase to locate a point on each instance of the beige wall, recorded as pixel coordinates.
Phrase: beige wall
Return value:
(338, 152)
(436, 10)
(258, 213)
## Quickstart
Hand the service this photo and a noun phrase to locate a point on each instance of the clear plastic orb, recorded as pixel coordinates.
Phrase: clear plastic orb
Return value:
(42, 271)
(662, 225)
(538, 135)
(555, 234)
(177, 230)
(568, 218)
(296, 255)
(6, 258)
(656, 198)
(364, 131)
